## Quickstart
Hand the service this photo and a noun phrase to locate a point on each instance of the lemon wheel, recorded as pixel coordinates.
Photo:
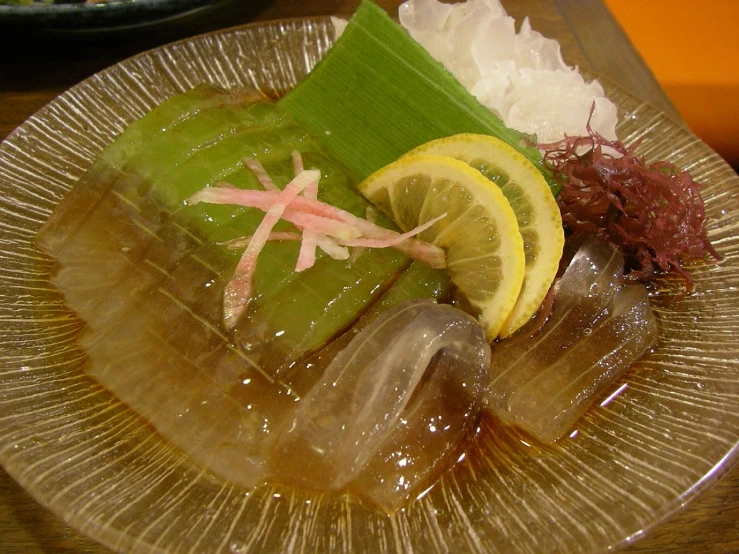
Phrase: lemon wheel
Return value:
(531, 199)
(480, 235)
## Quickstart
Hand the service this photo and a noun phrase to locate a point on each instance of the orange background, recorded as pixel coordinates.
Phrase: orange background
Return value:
(692, 47)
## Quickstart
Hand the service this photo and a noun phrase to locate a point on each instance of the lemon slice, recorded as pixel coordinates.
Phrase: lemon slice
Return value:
(537, 213)
(484, 249)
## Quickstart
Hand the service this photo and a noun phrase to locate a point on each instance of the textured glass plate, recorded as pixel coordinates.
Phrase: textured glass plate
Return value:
(80, 451)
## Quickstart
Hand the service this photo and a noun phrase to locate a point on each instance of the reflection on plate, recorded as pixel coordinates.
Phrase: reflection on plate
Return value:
(100, 14)
(633, 460)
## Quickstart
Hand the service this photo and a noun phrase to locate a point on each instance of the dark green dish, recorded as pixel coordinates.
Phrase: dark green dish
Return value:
(71, 14)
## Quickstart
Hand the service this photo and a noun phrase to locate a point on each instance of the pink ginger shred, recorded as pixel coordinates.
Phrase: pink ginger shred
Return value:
(307, 255)
(333, 248)
(322, 225)
(297, 162)
(261, 174)
(238, 290)
(262, 200)
(327, 244)
(386, 242)
(323, 218)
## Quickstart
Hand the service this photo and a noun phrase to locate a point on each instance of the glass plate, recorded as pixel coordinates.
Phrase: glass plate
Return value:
(634, 459)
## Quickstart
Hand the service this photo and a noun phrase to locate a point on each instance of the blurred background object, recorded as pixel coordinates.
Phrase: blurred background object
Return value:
(80, 14)
(692, 50)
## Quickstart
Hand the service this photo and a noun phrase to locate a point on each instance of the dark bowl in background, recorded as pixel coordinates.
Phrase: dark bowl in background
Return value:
(76, 15)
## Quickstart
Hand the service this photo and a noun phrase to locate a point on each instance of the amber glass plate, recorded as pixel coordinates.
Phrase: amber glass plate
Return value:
(668, 428)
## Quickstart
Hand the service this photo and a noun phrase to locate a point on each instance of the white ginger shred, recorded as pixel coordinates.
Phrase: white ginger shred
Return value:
(519, 76)
(339, 26)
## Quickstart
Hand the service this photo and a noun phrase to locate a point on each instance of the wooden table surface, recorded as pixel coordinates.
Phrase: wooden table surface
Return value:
(35, 66)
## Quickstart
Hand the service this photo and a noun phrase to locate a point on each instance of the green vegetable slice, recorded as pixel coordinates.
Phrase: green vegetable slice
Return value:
(161, 119)
(107, 169)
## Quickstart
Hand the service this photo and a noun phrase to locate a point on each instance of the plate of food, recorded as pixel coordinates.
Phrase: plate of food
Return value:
(251, 304)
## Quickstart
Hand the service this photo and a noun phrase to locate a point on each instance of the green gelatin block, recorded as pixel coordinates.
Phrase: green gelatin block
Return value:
(162, 118)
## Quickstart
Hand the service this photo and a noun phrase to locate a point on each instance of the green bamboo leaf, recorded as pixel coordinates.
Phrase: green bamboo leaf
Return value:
(378, 94)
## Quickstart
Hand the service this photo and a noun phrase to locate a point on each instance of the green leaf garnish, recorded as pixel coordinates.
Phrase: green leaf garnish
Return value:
(378, 94)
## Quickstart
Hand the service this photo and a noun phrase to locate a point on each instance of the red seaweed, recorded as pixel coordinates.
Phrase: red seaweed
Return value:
(652, 212)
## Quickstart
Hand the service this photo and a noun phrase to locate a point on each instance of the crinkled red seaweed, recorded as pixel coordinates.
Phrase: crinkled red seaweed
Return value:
(652, 212)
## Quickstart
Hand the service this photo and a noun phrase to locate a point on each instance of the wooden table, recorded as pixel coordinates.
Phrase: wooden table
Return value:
(35, 66)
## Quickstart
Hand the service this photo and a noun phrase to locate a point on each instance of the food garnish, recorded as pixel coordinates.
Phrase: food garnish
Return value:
(539, 220)
(238, 290)
(377, 94)
(653, 212)
(327, 227)
(480, 235)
